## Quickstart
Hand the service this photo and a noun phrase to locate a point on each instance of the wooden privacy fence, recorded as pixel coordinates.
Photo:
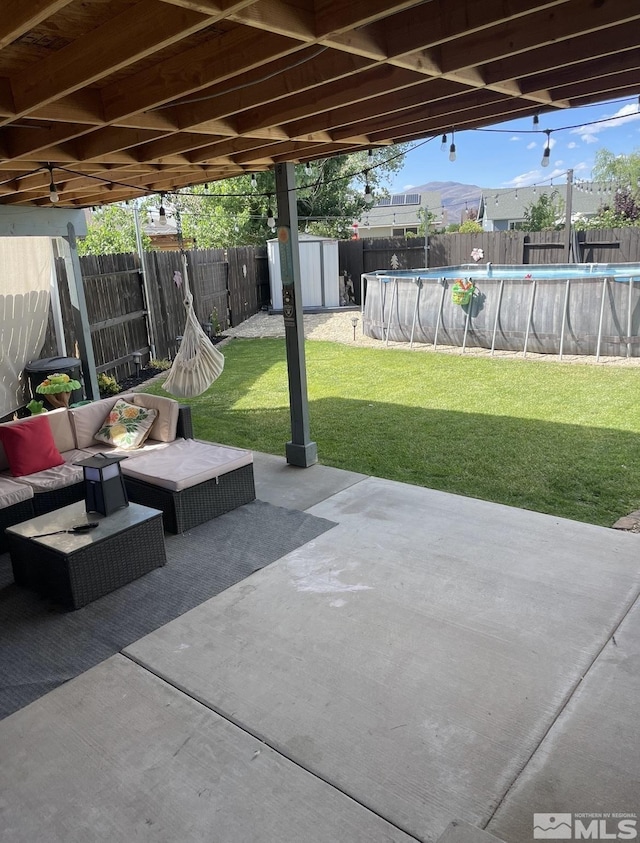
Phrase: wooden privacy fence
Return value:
(231, 281)
(357, 257)
(236, 283)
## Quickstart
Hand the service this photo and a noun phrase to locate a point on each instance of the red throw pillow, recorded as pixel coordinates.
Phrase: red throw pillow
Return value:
(29, 446)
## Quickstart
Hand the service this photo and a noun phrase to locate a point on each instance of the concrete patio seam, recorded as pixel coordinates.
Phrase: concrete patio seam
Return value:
(332, 494)
(272, 746)
(610, 638)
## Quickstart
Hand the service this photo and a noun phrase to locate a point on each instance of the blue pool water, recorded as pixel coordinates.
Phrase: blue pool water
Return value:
(525, 272)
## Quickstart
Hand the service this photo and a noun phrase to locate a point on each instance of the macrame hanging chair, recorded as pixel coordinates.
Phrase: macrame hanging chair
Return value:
(198, 362)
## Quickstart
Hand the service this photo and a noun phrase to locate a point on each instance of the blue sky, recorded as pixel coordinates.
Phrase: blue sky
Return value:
(512, 156)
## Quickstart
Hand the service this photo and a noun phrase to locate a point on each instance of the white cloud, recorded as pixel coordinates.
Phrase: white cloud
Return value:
(514, 138)
(589, 131)
(532, 145)
(572, 145)
(552, 142)
(524, 179)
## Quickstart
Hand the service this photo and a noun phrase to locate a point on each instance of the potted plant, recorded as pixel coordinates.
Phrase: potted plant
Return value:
(58, 389)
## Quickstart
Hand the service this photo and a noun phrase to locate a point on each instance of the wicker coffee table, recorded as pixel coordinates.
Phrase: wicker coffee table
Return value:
(76, 568)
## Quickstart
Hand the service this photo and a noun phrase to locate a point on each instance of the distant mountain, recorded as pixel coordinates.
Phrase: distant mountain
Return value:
(456, 197)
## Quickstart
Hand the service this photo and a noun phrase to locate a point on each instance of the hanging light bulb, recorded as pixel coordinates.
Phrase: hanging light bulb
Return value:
(162, 214)
(452, 148)
(368, 195)
(53, 190)
(536, 119)
(271, 220)
(547, 150)
(307, 168)
(443, 145)
(254, 181)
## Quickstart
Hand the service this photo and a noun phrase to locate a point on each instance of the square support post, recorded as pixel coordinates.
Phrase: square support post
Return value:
(300, 450)
(80, 315)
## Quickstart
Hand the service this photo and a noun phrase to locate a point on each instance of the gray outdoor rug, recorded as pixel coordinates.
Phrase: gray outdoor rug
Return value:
(42, 645)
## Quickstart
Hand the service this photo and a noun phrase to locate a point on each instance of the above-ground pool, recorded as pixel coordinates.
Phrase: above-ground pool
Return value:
(555, 309)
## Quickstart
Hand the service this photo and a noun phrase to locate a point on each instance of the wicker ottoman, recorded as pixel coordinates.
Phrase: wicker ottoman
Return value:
(76, 568)
(191, 481)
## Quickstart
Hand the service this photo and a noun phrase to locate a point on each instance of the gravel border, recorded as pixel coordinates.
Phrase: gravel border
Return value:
(336, 326)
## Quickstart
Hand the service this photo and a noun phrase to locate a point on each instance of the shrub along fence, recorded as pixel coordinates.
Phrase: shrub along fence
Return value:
(236, 283)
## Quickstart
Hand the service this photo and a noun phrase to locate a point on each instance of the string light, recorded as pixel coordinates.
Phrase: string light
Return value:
(307, 168)
(536, 119)
(254, 181)
(368, 195)
(271, 220)
(547, 150)
(452, 148)
(443, 144)
(53, 190)
(162, 214)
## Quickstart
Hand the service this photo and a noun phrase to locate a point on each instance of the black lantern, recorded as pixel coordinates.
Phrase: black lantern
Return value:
(104, 489)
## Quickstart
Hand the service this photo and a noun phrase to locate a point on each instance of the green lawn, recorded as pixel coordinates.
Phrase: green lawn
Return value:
(557, 438)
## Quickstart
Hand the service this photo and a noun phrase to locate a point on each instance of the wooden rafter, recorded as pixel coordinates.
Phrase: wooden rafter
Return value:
(159, 94)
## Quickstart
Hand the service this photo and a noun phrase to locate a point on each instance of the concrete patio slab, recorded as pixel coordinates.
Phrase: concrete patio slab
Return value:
(589, 762)
(282, 484)
(118, 755)
(417, 654)
(459, 832)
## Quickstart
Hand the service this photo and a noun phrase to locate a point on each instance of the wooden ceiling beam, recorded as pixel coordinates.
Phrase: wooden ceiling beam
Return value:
(384, 103)
(548, 26)
(124, 39)
(23, 141)
(445, 115)
(110, 139)
(222, 58)
(19, 17)
(367, 84)
(552, 57)
(288, 77)
(604, 87)
(583, 73)
(482, 116)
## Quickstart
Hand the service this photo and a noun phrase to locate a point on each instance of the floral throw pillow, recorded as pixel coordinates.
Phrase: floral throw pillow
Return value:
(126, 426)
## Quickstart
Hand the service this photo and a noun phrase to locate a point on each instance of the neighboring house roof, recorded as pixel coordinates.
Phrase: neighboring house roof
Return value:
(401, 210)
(511, 203)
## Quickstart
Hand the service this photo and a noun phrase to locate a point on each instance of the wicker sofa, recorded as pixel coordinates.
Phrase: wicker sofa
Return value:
(189, 480)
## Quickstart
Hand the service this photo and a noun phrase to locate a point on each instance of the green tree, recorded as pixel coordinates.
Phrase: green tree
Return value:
(470, 227)
(111, 231)
(233, 212)
(543, 215)
(624, 170)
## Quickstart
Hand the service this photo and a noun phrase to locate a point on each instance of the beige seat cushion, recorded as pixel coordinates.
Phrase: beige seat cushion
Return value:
(186, 463)
(87, 420)
(166, 423)
(13, 491)
(63, 475)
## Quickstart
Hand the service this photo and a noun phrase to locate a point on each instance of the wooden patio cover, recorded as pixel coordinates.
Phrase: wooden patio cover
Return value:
(123, 97)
